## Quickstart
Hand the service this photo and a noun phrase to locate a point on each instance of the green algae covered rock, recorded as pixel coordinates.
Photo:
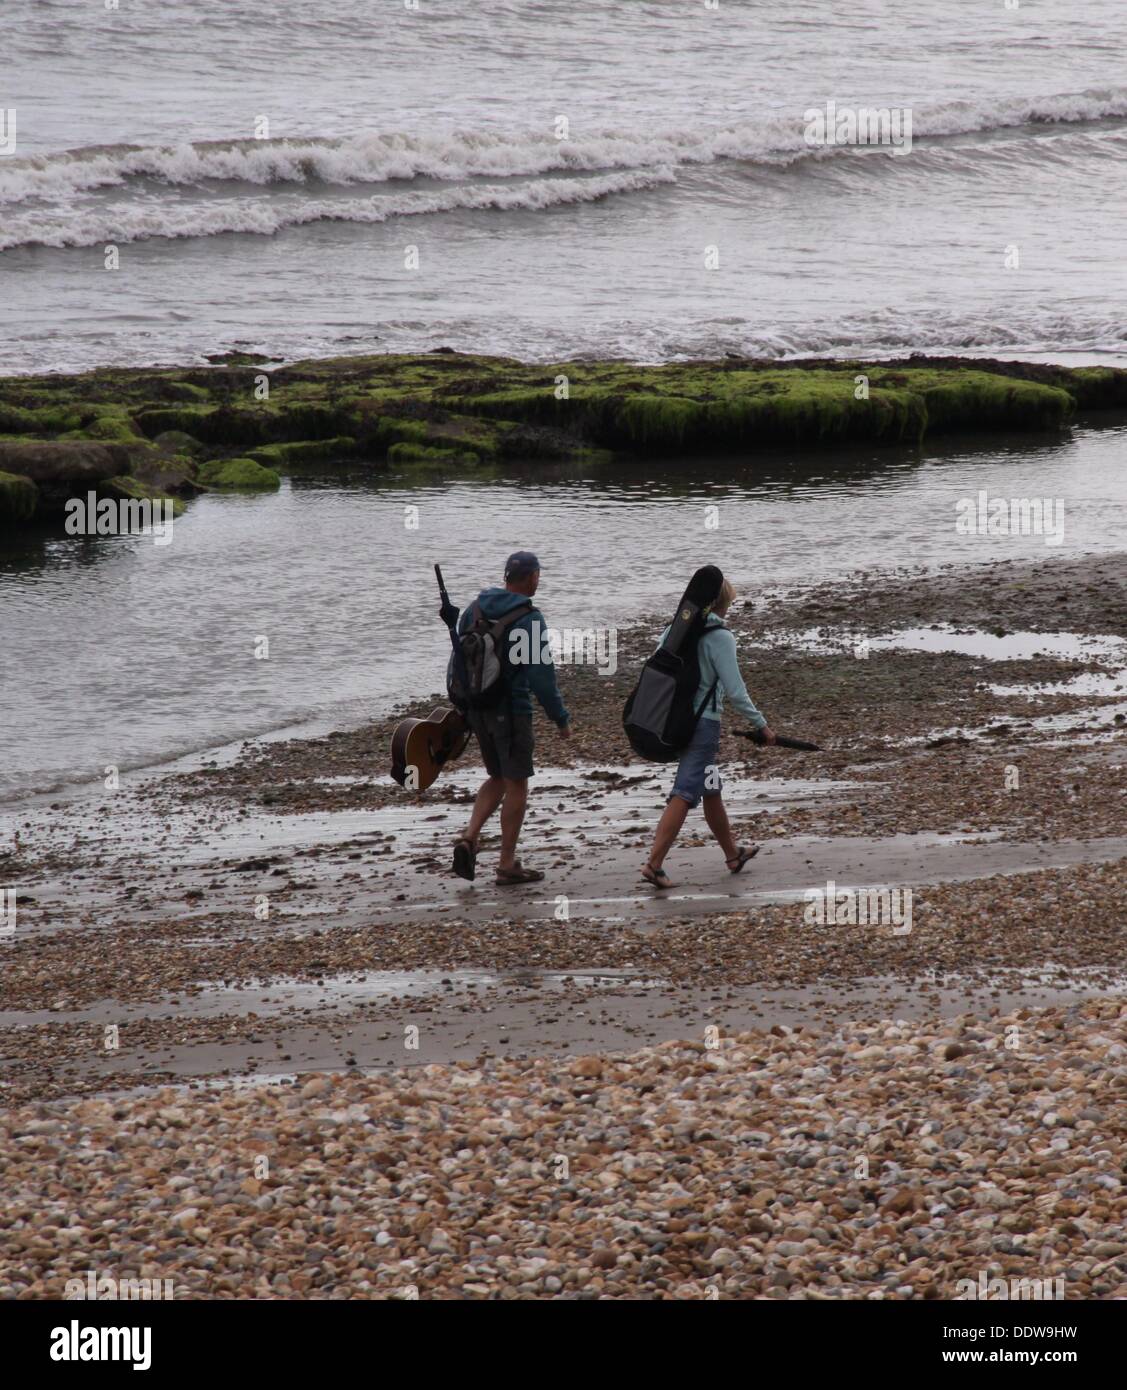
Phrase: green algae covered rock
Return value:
(166, 473)
(303, 451)
(430, 453)
(177, 442)
(447, 411)
(128, 487)
(240, 474)
(62, 464)
(19, 498)
(113, 426)
(49, 419)
(189, 420)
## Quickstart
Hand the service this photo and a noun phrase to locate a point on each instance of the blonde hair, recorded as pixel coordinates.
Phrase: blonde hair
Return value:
(725, 598)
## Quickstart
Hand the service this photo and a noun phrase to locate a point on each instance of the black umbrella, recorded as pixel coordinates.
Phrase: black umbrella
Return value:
(756, 736)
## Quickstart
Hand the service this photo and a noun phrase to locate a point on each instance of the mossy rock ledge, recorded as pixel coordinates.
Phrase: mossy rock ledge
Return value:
(180, 429)
(238, 475)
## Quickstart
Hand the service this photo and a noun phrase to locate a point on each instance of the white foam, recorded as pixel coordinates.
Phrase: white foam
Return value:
(126, 222)
(644, 338)
(374, 158)
(456, 155)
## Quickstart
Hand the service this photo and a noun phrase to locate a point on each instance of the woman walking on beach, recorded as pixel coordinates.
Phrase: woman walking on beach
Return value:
(698, 775)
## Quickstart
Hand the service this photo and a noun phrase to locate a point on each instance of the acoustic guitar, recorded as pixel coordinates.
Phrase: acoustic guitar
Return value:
(421, 748)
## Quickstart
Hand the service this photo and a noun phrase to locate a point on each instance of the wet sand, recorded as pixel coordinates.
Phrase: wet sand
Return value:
(299, 860)
(280, 910)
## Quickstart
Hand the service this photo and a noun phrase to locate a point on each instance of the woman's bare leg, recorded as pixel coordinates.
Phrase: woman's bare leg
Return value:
(716, 815)
(668, 828)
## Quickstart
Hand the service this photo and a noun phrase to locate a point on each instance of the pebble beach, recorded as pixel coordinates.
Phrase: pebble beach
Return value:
(879, 1161)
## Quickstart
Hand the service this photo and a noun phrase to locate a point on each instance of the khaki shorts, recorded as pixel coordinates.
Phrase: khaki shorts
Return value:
(505, 740)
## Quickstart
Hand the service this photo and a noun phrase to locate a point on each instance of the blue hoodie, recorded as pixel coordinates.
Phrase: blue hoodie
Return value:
(535, 678)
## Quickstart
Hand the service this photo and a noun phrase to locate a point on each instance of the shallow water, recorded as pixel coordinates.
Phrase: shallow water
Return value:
(118, 651)
(287, 994)
(1007, 646)
(387, 988)
(528, 1013)
(1110, 653)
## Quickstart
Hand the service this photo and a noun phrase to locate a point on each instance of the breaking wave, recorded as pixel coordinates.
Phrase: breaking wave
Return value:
(457, 155)
(127, 222)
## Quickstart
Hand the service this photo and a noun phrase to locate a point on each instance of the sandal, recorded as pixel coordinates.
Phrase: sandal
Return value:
(746, 853)
(465, 858)
(517, 874)
(658, 878)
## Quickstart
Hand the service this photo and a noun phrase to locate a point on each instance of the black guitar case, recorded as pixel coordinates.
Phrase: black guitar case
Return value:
(696, 603)
(660, 715)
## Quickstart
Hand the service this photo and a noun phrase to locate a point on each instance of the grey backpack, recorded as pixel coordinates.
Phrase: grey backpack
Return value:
(661, 714)
(477, 672)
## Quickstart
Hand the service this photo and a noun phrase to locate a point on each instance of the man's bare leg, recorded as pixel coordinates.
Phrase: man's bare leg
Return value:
(515, 794)
(489, 796)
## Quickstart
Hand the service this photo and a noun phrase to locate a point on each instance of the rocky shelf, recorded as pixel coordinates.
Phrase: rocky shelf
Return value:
(241, 423)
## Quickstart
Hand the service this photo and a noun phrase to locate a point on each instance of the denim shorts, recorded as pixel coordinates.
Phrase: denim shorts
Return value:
(698, 772)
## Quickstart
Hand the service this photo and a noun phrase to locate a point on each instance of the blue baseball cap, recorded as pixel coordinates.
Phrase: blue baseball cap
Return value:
(520, 564)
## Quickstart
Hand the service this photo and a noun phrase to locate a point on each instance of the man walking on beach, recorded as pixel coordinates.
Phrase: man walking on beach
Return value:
(504, 731)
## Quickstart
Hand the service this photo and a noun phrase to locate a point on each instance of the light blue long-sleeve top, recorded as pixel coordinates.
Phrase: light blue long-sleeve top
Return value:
(716, 652)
